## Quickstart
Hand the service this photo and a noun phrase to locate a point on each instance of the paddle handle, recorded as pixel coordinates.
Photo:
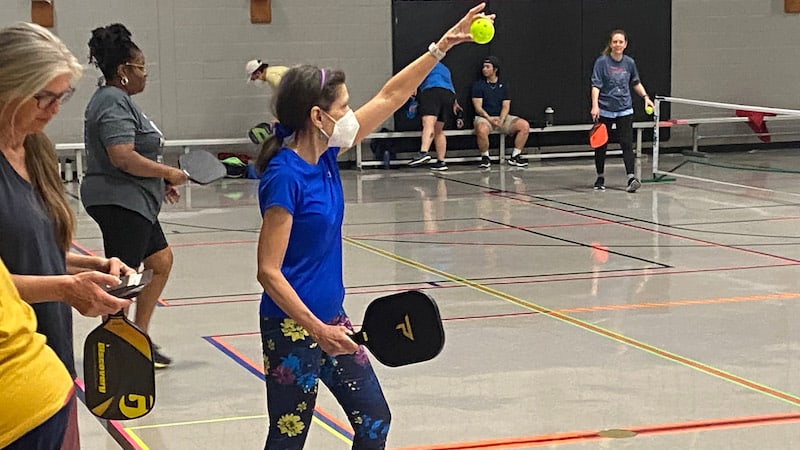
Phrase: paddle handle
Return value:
(360, 337)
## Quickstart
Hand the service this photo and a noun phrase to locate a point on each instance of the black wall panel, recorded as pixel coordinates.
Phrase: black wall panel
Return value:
(546, 48)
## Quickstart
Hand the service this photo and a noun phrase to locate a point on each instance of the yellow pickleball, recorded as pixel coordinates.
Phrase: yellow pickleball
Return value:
(648, 109)
(482, 30)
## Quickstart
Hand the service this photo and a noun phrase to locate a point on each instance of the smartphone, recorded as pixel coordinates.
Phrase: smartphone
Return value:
(130, 285)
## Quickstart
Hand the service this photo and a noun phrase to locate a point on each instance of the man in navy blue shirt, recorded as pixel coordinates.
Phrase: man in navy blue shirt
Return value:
(492, 105)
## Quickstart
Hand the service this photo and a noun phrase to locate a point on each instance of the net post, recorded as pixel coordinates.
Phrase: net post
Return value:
(656, 128)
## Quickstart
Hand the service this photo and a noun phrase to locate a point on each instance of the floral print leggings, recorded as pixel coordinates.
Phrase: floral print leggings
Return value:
(293, 365)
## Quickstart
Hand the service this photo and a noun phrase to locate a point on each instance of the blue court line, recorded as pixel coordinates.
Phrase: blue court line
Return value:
(328, 422)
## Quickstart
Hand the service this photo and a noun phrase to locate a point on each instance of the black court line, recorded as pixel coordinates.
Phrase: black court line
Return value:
(660, 232)
(622, 219)
(579, 244)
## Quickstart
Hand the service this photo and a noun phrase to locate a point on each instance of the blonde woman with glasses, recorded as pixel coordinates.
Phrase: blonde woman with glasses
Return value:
(36, 228)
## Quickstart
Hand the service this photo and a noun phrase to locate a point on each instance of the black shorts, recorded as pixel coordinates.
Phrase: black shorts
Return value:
(127, 234)
(437, 102)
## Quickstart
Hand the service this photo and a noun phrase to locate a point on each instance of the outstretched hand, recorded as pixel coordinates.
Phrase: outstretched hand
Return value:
(460, 31)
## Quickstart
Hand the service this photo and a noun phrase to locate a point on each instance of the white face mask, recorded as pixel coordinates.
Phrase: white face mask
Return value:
(344, 130)
(259, 82)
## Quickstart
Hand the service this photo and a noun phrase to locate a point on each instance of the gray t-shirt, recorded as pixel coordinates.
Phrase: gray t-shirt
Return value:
(113, 118)
(28, 247)
(614, 79)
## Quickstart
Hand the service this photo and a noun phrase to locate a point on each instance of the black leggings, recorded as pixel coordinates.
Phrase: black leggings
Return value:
(624, 134)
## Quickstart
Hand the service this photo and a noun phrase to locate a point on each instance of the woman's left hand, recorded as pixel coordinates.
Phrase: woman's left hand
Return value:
(648, 102)
(114, 266)
(171, 194)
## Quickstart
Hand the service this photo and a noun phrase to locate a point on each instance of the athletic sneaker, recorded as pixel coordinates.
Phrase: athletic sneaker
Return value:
(420, 158)
(161, 360)
(633, 184)
(485, 162)
(517, 161)
(439, 166)
(600, 184)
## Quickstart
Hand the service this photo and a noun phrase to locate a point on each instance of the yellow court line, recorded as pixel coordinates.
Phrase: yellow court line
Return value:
(333, 431)
(136, 438)
(197, 422)
(674, 357)
(144, 446)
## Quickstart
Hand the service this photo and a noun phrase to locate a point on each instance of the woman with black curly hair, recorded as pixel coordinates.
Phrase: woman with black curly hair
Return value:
(125, 183)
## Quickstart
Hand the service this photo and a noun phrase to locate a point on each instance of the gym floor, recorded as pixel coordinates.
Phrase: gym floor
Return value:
(574, 318)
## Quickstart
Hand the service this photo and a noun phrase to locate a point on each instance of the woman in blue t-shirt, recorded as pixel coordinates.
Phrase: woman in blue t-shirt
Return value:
(304, 329)
(612, 78)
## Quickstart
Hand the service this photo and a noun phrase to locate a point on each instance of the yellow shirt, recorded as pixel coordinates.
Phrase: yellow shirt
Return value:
(274, 74)
(34, 384)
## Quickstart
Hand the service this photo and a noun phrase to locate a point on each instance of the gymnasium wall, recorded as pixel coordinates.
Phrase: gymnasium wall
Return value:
(742, 51)
(196, 51)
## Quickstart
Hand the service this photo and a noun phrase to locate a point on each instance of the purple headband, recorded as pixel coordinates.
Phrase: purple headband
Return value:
(322, 84)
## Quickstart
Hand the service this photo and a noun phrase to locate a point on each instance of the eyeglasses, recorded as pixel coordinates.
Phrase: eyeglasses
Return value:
(46, 99)
(141, 67)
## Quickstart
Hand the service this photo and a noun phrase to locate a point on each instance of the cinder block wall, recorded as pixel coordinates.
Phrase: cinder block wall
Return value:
(196, 51)
(738, 51)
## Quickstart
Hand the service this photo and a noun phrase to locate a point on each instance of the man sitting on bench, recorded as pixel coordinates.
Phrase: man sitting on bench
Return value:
(492, 105)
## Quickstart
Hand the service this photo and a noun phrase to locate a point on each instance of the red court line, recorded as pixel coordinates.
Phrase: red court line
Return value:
(446, 284)
(81, 248)
(471, 230)
(207, 244)
(237, 353)
(646, 430)
(86, 251)
(658, 232)
(669, 304)
(114, 427)
(610, 307)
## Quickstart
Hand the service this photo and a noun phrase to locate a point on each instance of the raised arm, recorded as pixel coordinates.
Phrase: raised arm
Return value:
(397, 90)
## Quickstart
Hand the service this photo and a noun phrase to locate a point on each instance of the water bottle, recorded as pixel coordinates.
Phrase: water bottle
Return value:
(548, 116)
(411, 112)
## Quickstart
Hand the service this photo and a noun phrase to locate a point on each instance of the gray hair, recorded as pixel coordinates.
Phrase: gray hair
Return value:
(31, 57)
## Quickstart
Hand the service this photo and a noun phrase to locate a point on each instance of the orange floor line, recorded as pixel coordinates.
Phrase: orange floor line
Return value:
(584, 436)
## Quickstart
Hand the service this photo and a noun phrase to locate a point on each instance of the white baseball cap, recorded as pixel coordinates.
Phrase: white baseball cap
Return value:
(252, 66)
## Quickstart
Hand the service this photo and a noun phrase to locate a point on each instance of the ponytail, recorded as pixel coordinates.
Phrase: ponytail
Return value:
(272, 145)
